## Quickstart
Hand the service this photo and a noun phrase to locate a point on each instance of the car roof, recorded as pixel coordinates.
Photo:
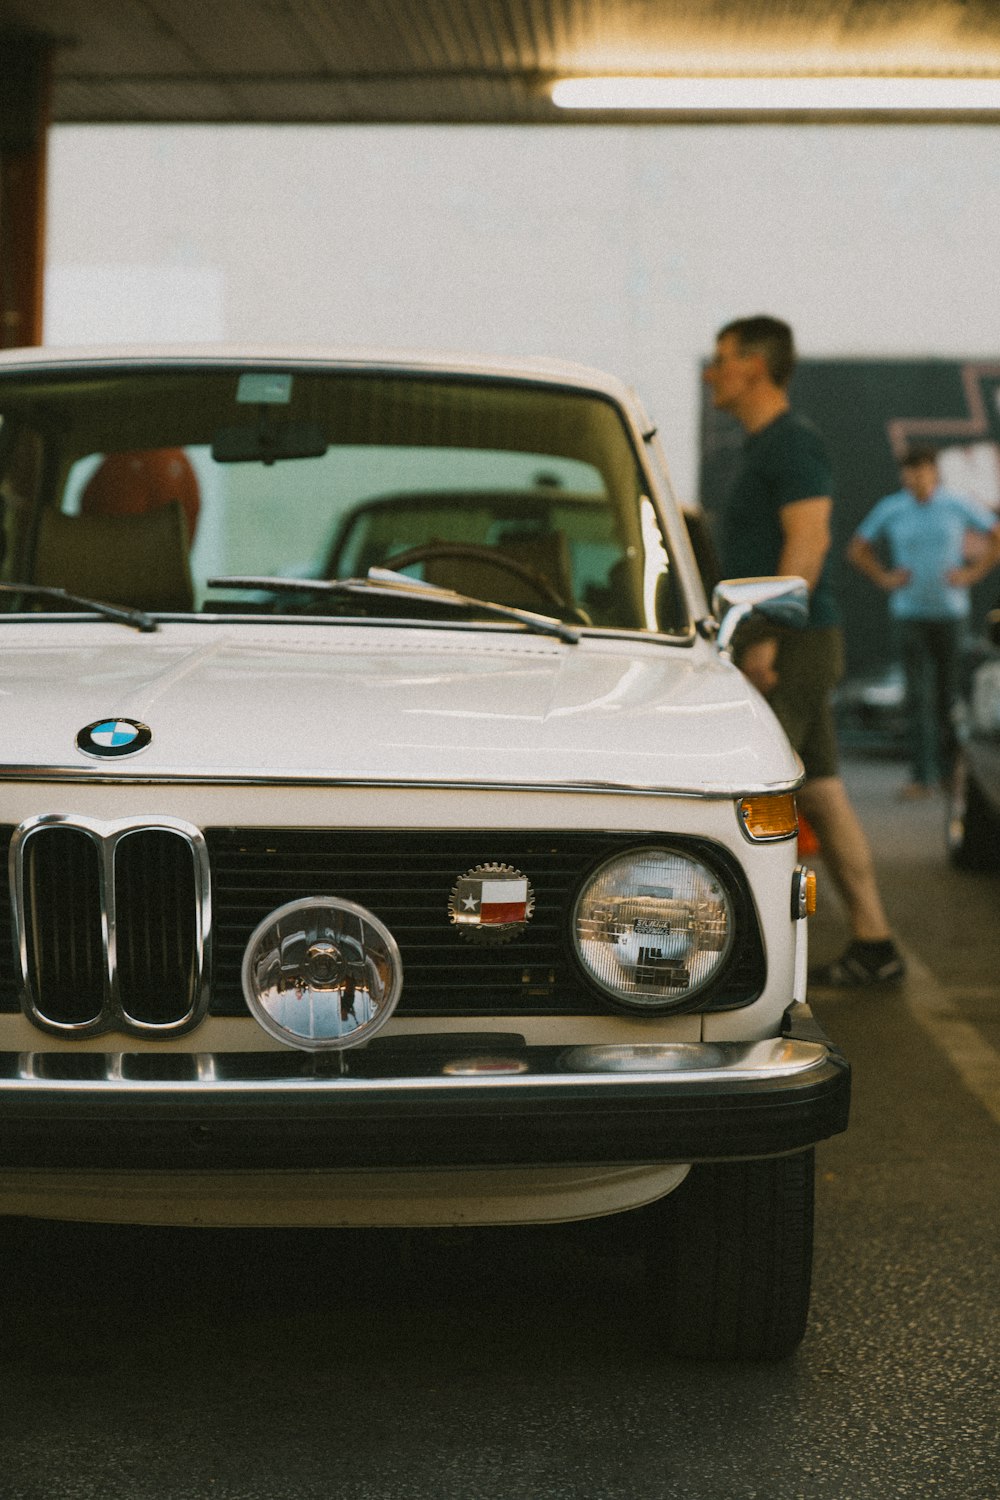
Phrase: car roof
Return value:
(532, 368)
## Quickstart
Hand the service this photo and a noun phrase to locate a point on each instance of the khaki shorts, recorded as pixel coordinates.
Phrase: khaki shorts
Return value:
(810, 664)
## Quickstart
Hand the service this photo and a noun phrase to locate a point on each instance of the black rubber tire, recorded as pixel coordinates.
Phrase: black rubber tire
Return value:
(15, 1298)
(729, 1259)
(973, 832)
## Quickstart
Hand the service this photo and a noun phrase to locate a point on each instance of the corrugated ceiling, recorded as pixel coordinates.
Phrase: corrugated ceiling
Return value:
(461, 60)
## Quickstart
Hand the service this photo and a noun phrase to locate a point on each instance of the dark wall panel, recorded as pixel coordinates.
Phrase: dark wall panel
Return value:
(868, 410)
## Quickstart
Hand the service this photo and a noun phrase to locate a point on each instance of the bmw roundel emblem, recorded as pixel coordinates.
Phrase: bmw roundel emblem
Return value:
(111, 737)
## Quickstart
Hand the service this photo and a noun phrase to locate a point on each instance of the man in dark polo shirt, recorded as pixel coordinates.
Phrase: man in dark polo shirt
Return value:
(777, 521)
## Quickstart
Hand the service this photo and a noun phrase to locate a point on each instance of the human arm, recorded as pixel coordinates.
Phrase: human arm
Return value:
(970, 573)
(759, 661)
(863, 556)
(805, 541)
(794, 484)
(805, 532)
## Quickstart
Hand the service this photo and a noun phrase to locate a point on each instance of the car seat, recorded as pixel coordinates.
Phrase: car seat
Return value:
(137, 560)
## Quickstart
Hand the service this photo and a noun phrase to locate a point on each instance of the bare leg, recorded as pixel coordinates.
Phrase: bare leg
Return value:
(847, 855)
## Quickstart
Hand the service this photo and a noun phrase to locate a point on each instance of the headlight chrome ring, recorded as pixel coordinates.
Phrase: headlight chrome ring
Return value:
(652, 927)
(322, 973)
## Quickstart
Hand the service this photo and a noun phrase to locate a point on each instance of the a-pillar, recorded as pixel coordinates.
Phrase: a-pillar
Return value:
(25, 87)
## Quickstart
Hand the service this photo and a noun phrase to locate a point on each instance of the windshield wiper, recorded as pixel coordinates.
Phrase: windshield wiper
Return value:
(137, 618)
(383, 583)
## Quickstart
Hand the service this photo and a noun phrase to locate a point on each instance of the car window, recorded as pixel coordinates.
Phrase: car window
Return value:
(140, 485)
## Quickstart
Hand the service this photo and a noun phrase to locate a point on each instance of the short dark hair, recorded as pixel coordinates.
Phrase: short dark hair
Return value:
(917, 454)
(769, 337)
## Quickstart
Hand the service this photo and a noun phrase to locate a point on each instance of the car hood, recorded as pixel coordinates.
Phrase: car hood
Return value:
(387, 704)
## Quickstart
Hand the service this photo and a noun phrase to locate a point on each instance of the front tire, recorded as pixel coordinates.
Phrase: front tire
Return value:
(973, 832)
(729, 1259)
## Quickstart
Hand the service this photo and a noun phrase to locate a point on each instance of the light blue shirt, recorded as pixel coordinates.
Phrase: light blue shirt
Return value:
(928, 539)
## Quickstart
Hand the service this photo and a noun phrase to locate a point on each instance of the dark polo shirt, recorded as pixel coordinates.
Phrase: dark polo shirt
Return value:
(784, 462)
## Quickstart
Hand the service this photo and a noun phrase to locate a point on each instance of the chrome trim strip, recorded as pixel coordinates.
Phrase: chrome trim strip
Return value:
(63, 774)
(693, 1064)
(106, 836)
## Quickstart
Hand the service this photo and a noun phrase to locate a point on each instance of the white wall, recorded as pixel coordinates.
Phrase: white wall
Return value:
(620, 247)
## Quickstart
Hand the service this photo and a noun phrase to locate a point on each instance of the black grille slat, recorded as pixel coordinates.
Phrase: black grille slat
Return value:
(64, 944)
(404, 877)
(9, 964)
(156, 926)
(108, 918)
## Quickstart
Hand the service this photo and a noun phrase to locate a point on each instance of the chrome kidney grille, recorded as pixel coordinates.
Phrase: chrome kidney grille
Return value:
(112, 924)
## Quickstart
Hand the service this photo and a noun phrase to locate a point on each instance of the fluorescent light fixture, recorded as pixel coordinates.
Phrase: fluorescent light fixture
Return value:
(777, 94)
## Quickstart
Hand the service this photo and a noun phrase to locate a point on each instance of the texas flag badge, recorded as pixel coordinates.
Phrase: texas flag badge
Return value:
(491, 903)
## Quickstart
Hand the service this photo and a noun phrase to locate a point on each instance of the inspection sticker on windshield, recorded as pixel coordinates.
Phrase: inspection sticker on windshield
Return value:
(491, 903)
(263, 388)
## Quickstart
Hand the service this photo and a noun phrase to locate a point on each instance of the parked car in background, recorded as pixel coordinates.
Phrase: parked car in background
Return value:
(973, 830)
(390, 839)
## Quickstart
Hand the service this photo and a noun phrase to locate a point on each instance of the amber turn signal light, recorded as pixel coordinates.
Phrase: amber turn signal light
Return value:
(803, 893)
(769, 816)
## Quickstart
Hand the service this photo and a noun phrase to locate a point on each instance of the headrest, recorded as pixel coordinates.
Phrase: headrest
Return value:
(140, 561)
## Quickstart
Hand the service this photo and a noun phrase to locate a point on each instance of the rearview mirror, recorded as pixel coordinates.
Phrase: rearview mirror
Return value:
(268, 442)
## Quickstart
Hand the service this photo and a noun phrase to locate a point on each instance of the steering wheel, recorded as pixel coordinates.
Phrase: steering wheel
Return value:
(474, 551)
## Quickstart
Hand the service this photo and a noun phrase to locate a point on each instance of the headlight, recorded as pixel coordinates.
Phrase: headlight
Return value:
(322, 972)
(652, 927)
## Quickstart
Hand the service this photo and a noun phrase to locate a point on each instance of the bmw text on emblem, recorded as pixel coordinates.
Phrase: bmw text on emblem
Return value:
(111, 737)
(491, 903)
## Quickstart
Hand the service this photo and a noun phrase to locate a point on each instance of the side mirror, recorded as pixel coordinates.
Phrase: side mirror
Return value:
(783, 601)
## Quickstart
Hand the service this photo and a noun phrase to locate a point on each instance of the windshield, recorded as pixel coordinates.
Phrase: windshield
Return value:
(138, 486)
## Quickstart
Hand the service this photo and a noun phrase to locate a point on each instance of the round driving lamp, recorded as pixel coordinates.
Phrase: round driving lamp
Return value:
(322, 973)
(652, 927)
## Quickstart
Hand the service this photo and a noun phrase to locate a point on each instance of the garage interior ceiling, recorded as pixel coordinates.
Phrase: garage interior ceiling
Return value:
(462, 61)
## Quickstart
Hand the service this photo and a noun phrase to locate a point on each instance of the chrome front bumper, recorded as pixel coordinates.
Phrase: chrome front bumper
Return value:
(470, 1101)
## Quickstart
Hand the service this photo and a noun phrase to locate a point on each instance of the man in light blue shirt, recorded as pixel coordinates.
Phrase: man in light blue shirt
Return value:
(924, 530)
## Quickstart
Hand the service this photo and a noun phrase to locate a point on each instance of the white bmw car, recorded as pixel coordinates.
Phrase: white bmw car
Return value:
(390, 839)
